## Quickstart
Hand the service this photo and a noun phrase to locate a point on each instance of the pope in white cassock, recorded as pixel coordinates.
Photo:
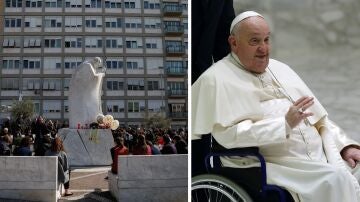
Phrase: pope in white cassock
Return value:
(247, 99)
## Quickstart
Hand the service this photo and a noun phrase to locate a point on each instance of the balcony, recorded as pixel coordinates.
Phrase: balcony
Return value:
(175, 50)
(176, 71)
(172, 9)
(173, 30)
(177, 93)
(178, 115)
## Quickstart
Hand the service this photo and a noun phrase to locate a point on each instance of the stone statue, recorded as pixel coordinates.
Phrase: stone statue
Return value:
(85, 93)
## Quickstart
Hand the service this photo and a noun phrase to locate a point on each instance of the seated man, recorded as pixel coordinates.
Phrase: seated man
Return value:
(247, 99)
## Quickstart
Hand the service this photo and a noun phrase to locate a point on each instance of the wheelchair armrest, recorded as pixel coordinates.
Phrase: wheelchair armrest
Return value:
(240, 152)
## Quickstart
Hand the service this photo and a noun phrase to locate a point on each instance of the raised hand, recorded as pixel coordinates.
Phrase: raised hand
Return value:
(297, 112)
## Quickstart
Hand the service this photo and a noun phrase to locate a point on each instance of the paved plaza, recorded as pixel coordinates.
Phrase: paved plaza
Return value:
(87, 184)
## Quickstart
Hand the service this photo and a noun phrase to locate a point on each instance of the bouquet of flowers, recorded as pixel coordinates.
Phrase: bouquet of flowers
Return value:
(107, 122)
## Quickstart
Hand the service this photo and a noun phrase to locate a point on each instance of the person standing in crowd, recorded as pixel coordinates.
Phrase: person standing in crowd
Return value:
(169, 147)
(57, 149)
(154, 148)
(24, 148)
(247, 99)
(180, 145)
(141, 148)
(40, 130)
(119, 149)
(5, 142)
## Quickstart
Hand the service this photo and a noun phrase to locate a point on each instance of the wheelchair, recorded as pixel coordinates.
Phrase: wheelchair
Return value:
(213, 183)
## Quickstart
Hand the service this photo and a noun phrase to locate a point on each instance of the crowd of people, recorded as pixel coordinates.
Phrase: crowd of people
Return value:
(38, 138)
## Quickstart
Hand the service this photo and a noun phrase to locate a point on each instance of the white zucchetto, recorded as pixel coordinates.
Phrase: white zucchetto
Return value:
(243, 16)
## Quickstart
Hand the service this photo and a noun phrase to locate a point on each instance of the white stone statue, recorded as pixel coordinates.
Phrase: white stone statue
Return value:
(85, 93)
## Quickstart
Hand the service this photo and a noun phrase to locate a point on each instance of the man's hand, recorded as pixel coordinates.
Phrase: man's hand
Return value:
(297, 112)
(351, 154)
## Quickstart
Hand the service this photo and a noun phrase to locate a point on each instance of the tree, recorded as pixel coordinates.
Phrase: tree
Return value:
(22, 109)
(158, 121)
(21, 114)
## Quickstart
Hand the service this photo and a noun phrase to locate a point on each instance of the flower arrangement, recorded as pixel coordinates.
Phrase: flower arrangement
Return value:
(107, 122)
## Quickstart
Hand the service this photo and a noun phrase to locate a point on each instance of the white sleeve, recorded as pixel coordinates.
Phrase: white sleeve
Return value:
(248, 133)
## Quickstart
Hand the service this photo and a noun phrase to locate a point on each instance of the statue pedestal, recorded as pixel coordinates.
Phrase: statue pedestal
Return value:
(87, 147)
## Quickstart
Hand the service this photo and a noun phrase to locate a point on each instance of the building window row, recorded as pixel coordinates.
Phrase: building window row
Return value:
(90, 42)
(90, 22)
(52, 84)
(128, 4)
(151, 5)
(131, 63)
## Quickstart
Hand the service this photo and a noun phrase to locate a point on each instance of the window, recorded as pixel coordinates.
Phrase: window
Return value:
(11, 63)
(152, 23)
(154, 63)
(115, 106)
(114, 43)
(73, 42)
(93, 4)
(177, 107)
(53, 3)
(151, 5)
(156, 105)
(73, 3)
(66, 106)
(52, 21)
(177, 88)
(174, 46)
(135, 84)
(32, 21)
(66, 84)
(51, 106)
(175, 66)
(133, 43)
(131, 65)
(112, 4)
(31, 84)
(31, 63)
(13, 3)
(51, 84)
(12, 22)
(32, 42)
(114, 63)
(93, 42)
(10, 84)
(11, 42)
(153, 85)
(184, 6)
(129, 4)
(153, 43)
(33, 3)
(52, 63)
(52, 43)
(134, 63)
(133, 23)
(72, 63)
(93, 22)
(113, 22)
(73, 21)
(114, 85)
(136, 106)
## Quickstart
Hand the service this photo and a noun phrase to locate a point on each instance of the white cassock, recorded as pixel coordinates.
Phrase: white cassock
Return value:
(242, 109)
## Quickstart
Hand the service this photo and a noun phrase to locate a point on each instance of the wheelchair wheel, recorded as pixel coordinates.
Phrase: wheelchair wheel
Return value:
(215, 188)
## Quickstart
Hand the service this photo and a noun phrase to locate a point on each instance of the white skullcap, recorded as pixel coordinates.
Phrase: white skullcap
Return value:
(243, 16)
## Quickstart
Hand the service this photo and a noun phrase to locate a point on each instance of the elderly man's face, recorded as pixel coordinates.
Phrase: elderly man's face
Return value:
(251, 44)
